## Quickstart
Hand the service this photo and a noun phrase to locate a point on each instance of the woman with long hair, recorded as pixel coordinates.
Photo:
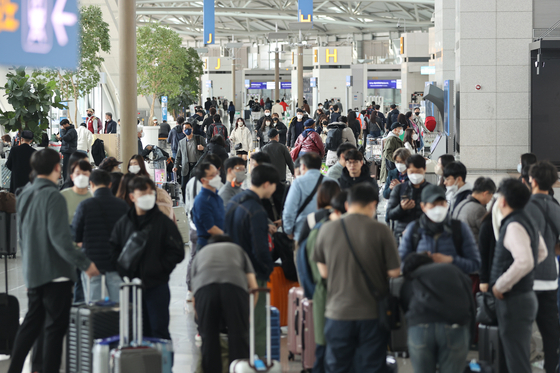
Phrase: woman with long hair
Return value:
(262, 132)
(137, 166)
(410, 140)
(443, 161)
(241, 139)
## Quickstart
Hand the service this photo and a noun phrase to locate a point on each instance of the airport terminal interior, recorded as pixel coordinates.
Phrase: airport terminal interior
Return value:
(480, 79)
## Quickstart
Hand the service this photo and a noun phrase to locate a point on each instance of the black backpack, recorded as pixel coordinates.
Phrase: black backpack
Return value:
(334, 138)
(457, 232)
(219, 129)
(98, 151)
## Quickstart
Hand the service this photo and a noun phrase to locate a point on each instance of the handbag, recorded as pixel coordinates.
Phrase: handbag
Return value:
(238, 146)
(486, 309)
(295, 152)
(133, 250)
(388, 312)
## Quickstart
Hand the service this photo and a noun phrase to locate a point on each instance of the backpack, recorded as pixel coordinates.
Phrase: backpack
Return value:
(303, 267)
(219, 129)
(457, 233)
(334, 138)
(98, 151)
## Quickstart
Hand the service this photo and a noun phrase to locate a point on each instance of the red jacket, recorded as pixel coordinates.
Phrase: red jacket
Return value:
(90, 121)
(310, 142)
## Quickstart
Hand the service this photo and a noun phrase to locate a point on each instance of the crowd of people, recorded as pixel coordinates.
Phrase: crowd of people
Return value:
(244, 188)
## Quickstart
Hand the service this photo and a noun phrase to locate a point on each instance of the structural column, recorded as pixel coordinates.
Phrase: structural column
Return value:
(277, 75)
(127, 78)
(300, 76)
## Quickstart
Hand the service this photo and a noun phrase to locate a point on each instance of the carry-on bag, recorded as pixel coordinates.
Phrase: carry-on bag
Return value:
(132, 356)
(254, 364)
(275, 333)
(490, 348)
(9, 317)
(308, 335)
(8, 234)
(295, 297)
(279, 287)
(88, 322)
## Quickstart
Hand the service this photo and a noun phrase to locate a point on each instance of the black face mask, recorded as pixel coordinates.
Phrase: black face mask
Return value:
(417, 113)
(89, 114)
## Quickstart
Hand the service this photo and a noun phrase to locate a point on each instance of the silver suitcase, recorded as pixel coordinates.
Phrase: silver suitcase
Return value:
(248, 365)
(131, 356)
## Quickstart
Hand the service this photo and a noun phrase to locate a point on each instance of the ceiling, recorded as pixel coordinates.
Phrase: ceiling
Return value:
(253, 20)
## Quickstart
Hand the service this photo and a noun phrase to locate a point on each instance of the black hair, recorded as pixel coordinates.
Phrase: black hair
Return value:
(545, 174)
(353, 154)
(408, 114)
(416, 160)
(414, 260)
(260, 157)
(116, 178)
(180, 120)
(363, 194)
(233, 162)
(201, 170)
(343, 119)
(312, 161)
(515, 193)
(64, 121)
(528, 159)
(377, 107)
(44, 161)
(141, 183)
(393, 106)
(214, 159)
(455, 169)
(218, 140)
(342, 148)
(216, 118)
(82, 164)
(109, 114)
(264, 172)
(484, 184)
(76, 157)
(187, 123)
(338, 202)
(100, 177)
(327, 191)
(219, 238)
(351, 115)
(446, 159)
(297, 163)
(335, 107)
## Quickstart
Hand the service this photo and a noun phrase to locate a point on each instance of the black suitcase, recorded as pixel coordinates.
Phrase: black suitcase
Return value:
(9, 317)
(490, 348)
(89, 322)
(8, 234)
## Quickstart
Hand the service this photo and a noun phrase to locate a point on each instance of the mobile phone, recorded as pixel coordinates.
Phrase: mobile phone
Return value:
(405, 197)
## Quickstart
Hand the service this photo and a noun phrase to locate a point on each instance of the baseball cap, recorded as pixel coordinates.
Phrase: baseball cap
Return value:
(154, 118)
(28, 135)
(109, 163)
(432, 193)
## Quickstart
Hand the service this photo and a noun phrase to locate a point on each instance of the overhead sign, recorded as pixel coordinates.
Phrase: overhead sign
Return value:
(163, 107)
(285, 85)
(267, 85)
(39, 33)
(208, 84)
(313, 82)
(209, 21)
(349, 80)
(427, 70)
(305, 10)
(384, 84)
(247, 84)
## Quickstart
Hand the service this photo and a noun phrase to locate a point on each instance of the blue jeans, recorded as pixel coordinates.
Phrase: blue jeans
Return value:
(113, 283)
(361, 343)
(438, 345)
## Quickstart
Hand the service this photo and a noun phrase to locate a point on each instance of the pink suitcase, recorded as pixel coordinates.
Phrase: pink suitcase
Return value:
(295, 297)
(308, 337)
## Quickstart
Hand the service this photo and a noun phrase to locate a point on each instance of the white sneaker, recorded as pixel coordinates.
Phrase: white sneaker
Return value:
(189, 296)
(198, 341)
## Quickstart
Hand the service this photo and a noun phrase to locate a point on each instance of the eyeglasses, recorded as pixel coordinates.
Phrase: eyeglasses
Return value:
(352, 163)
(239, 168)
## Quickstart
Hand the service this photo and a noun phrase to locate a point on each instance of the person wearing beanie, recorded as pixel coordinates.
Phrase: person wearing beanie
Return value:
(309, 141)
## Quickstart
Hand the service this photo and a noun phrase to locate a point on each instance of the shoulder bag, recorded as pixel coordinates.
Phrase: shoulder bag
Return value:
(388, 312)
(133, 250)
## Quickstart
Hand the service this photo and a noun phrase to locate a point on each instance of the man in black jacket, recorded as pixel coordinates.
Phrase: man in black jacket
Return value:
(110, 124)
(296, 127)
(19, 161)
(392, 117)
(69, 138)
(356, 171)
(164, 249)
(279, 154)
(92, 226)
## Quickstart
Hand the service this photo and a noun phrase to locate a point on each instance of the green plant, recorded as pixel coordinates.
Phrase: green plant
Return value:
(31, 97)
(94, 38)
(190, 85)
(160, 62)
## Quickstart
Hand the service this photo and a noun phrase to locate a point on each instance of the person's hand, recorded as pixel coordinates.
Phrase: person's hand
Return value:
(278, 223)
(244, 157)
(483, 287)
(442, 258)
(394, 183)
(497, 293)
(291, 236)
(272, 229)
(79, 244)
(408, 204)
(174, 169)
(200, 147)
(92, 271)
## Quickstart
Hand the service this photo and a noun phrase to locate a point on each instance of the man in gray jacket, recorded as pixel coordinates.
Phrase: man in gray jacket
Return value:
(49, 263)
(188, 153)
(279, 154)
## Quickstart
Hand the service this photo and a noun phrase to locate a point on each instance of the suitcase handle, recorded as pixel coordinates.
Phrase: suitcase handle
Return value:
(87, 296)
(252, 293)
(124, 324)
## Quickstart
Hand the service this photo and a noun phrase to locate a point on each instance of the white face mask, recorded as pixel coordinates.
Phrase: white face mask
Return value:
(216, 182)
(299, 116)
(134, 169)
(415, 178)
(415, 137)
(401, 167)
(452, 189)
(81, 181)
(266, 114)
(146, 202)
(437, 214)
(241, 124)
(519, 168)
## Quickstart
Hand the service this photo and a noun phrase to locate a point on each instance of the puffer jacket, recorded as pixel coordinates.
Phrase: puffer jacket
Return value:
(243, 136)
(85, 139)
(69, 138)
(346, 181)
(310, 141)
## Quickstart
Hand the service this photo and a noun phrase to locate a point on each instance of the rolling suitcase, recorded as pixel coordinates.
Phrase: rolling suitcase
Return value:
(308, 337)
(8, 234)
(255, 365)
(490, 348)
(88, 322)
(398, 339)
(132, 356)
(295, 296)
(9, 317)
(275, 333)
(279, 287)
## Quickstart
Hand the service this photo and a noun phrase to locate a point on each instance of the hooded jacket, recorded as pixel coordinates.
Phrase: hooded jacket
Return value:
(243, 136)
(346, 181)
(69, 138)
(175, 135)
(296, 128)
(85, 139)
(311, 142)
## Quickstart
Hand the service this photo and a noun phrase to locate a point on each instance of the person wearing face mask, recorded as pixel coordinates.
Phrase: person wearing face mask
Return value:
(94, 124)
(235, 176)
(417, 119)
(399, 174)
(140, 134)
(189, 151)
(442, 161)
(69, 138)
(355, 170)
(458, 189)
(296, 128)
(177, 134)
(279, 155)
(392, 143)
(280, 127)
(404, 202)
(267, 115)
(241, 139)
(164, 249)
(409, 140)
(4, 145)
(262, 132)
(445, 240)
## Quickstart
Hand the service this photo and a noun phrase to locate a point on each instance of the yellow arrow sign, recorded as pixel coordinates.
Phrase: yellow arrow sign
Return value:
(7, 12)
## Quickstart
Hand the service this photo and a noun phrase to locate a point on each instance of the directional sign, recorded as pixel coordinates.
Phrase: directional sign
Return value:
(209, 21)
(39, 33)
(305, 10)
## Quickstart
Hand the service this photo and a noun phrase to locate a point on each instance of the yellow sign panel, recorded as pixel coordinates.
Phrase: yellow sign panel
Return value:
(292, 58)
(316, 56)
(402, 44)
(7, 13)
(303, 19)
(209, 39)
(334, 55)
(219, 64)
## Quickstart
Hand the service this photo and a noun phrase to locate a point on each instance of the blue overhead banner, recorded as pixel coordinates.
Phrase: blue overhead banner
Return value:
(163, 107)
(39, 33)
(305, 10)
(382, 84)
(209, 22)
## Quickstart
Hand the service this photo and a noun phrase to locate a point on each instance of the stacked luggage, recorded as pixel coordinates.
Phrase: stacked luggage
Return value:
(301, 335)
